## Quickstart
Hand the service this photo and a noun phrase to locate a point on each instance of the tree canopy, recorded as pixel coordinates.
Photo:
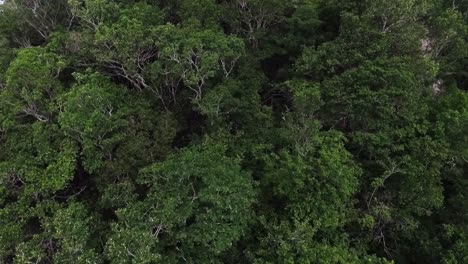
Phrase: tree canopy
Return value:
(233, 131)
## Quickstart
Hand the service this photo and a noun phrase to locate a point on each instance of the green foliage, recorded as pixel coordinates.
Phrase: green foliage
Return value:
(31, 87)
(95, 114)
(198, 205)
(233, 131)
(206, 13)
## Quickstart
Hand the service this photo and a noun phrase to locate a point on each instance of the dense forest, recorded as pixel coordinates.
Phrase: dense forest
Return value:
(234, 131)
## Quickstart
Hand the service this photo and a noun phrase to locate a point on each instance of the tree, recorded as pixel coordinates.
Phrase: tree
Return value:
(197, 206)
(376, 95)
